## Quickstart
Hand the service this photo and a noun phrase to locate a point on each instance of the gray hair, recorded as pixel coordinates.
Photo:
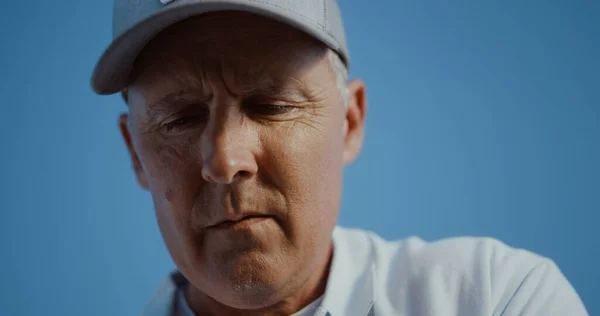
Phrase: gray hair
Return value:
(341, 74)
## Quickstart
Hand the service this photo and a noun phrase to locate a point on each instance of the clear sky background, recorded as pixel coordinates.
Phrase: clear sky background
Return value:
(484, 120)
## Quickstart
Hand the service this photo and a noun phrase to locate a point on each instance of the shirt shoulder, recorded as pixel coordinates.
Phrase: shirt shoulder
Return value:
(164, 300)
(469, 275)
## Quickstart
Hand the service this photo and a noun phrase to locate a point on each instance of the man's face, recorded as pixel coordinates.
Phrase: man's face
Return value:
(238, 129)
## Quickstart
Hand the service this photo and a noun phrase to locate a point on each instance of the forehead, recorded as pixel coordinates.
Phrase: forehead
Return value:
(241, 48)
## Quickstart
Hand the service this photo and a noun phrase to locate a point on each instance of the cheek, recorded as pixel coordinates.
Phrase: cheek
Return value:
(172, 171)
(168, 165)
(308, 164)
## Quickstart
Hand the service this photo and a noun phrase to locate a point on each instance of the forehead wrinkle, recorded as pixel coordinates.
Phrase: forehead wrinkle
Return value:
(270, 77)
(197, 76)
(179, 77)
(167, 74)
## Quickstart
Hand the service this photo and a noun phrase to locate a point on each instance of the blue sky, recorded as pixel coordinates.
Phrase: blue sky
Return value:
(484, 120)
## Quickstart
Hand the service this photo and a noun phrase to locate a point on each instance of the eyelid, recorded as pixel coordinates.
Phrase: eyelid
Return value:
(269, 110)
(269, 104)
(190, 121)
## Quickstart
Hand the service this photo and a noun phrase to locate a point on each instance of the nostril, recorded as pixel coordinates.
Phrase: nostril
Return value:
(243, 174)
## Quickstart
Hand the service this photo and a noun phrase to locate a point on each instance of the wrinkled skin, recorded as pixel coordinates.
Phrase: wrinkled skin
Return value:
(230, 114)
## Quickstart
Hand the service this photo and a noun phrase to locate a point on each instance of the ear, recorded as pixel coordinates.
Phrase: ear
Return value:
(135, 161)
(354, 126)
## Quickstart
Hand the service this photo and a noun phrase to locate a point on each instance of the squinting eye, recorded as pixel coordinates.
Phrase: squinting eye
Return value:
(269, 109)
(184, 122)
(176, 123)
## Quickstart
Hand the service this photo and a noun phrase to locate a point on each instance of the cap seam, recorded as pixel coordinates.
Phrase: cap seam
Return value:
(325, 21)
(292, 11)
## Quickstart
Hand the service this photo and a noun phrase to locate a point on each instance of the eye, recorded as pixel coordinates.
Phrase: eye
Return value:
(176, 123)
(268, 109)
(185, 122)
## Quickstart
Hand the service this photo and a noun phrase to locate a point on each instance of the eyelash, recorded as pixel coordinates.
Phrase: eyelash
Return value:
(269, 109)
(183, 121)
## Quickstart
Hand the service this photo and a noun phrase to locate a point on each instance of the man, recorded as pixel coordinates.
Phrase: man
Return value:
(240, 122)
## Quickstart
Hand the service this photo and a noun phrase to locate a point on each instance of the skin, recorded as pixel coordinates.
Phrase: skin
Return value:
(214, 133)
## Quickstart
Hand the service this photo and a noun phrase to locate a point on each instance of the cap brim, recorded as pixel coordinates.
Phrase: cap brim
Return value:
(112, 71)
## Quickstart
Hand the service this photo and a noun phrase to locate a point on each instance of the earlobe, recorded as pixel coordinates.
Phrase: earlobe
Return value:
(355, 120)
(135, 161)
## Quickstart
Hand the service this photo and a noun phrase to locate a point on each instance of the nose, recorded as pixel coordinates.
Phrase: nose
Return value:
(227, 149)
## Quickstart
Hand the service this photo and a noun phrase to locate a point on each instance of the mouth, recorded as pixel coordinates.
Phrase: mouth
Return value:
(243, 222)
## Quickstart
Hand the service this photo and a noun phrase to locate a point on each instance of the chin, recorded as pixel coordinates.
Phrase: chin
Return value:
(251, 281)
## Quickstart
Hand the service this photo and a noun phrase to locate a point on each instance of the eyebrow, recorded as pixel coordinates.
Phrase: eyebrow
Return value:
(175, 98)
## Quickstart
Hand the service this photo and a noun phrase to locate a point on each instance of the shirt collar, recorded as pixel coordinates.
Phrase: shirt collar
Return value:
(350, 288)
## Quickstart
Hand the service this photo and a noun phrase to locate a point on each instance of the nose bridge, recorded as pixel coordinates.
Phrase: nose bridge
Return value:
(224, 129)
(225, 145)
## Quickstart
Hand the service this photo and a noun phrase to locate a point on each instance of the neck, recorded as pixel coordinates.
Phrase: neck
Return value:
(311, 289)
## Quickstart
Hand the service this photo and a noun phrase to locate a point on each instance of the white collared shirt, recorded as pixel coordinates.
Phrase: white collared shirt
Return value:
(463, 276)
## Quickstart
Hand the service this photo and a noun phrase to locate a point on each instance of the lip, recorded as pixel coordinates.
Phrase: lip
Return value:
(241, 222)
